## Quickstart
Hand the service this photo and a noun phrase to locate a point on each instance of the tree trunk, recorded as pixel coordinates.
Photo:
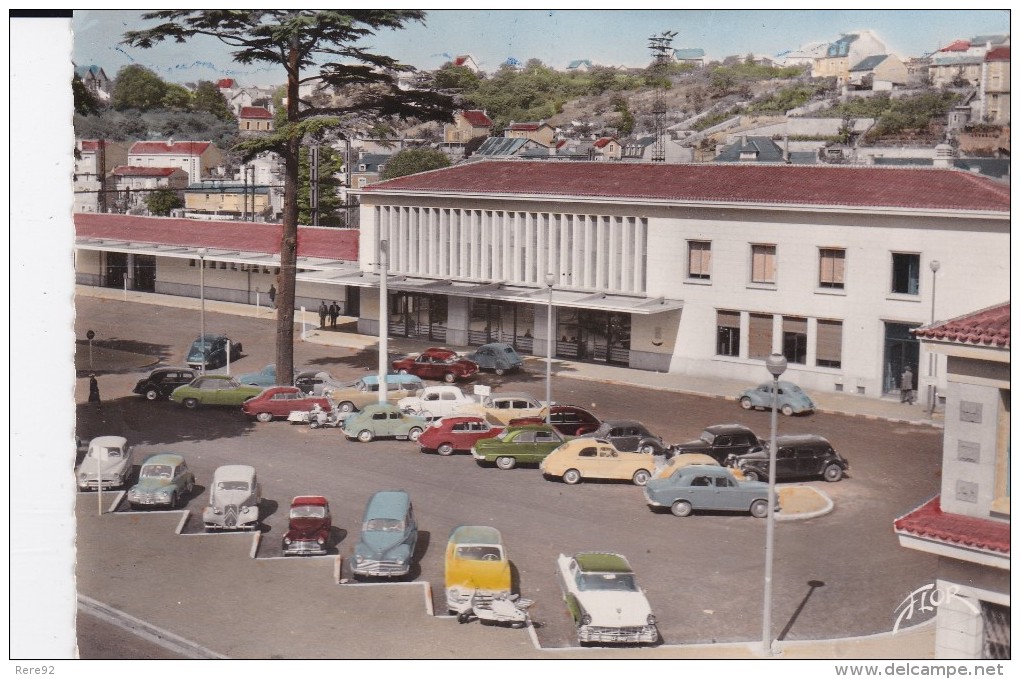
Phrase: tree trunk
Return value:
(288, 238)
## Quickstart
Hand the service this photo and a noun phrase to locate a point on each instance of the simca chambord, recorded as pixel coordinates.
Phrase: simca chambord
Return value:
(389, 534)
(501, 408)
(108, 458)
(477, 568)
(164, 480)
(364, 392)
(309, 527)
(584, 458)
(233, 499)
(604, 600)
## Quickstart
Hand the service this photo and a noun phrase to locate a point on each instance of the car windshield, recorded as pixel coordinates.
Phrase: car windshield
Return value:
(106, 453)
(384, 525)
(480, 553)
(707, 437)
(232, 485)
(157, 471)
(615, 582)
(308, 512)
(502, 435)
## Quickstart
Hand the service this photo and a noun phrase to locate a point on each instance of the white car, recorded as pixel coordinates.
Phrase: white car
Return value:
(604, 600)
(109, 458)
(437, 401)
(233, 499)
(501, 408)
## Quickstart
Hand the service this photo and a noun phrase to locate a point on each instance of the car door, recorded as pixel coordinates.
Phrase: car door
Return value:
(701, 492)
(624, 437)
(786, 463)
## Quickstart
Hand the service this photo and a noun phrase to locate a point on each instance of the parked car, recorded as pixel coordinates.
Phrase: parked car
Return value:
(797, 456)
(711, 487)
(476, 565)
(720, 441)
(365, 391)
(456, 432)
(214, 390)
(263, 378)
(210, 351)
(436, 401)
(498, 357)
(161, 382)
(389, 534)
(281, 402)
(527, 444)
(108, 463)
(566, 419)
(628, 436)
(309, 528)
(584, 458)
(501, 408)
(437, 364)
(792, 399)
(682, 460)
(315, 382)
(383, 420)
(604, 600)
(234, 498)
(163, 480)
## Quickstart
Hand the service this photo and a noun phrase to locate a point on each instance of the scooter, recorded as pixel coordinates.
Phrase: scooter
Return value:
(503, 609)
(320, 419)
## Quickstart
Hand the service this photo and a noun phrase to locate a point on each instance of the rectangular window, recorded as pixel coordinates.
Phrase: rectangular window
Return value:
(795, 339)
(830, 344)
(905, 273)
(759, 339)
(763, 263)
(699, 259)
(831, 268)
(727, 332)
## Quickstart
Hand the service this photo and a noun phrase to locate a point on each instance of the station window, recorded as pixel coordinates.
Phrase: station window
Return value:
(727, 331)
(795, 339)
(763, 263)
(699, 259)
(906, 269)
(831, 268)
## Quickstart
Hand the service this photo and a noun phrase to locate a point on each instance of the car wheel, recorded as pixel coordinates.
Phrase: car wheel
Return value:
(365, 436)
(151, 394)
(833, 473)
(760, 509)
(647, 449)
(445, 449)
(402, 371)
(314, 424)
(264, 417)
(449, 378)
(750, 474)
(681, 508)
(191, 403)
(571, 477)
(786, 410)
(500, 371)
(641, 477)
(346, 407)
(414, 433)
(505, 462)
(745, 403)
(237, 350)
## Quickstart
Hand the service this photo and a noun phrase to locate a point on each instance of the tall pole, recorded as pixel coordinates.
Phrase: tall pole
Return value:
(201, 303)
(776, 365)
(934, 265)
(384, 320)
(549, 339)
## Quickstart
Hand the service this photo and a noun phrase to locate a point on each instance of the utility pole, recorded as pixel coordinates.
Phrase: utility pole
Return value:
(661, 46)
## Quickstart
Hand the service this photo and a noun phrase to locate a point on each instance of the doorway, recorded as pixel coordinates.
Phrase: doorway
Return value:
(115, 270)
(145, 273)
(901, 350)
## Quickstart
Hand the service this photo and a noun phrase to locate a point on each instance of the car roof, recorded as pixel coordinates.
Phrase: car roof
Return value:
(459, 419)
(210, 336)
(602, 562)
(171, 368)
(622, 423)
(391, 379)
(278, 388)
(373, 407)
(387, 504)
(317, 500)
(728, 429)
(790, 439)
(220, 377)
(705, 470)
(164, 458)
(513, 394)
(479, 535)
(108, 441)
(234, 471)
(497, 345)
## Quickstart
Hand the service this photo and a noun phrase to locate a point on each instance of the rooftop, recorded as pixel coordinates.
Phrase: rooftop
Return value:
(930, 522)
(986, 327)
(170, 147)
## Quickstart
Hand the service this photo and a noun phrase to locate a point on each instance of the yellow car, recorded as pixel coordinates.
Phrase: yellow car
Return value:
(683, 460)
(585, 458)
(477, 569)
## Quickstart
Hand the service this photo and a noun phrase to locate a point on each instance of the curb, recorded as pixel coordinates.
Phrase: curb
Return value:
(829, 506)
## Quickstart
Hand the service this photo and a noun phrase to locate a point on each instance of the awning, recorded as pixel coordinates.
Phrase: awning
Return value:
(192, 252)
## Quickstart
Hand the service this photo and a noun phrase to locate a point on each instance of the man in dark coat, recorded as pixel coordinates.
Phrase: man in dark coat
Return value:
(907, 386)
(94, 391)
(334, 311)
(272, 295)
(322, 313)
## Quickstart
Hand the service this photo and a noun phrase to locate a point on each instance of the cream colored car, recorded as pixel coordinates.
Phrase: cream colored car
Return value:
(499, 409)
(584, 458)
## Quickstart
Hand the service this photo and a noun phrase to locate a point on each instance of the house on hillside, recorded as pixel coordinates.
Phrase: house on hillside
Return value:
(804, 55)
(579, 66)
(994, 93)
(694, 56)
(541, 132)
(508, 147)
(607, 148)
(221, 198)
(367, 168)
(96, 82)
(955, 70)
(850, 49)
(197, 158)
(879, 72)
(255, 119)
(132, 185)
(967, 525)
(467, 125)
(91, 181)
(467, 61)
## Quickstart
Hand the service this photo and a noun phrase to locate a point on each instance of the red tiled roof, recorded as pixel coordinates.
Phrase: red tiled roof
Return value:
(135, 171)
(461, 60)
(255, 112)
(525, 127)
(225, 83)
(477, 118)
(957, 46)
(339, 244)
(604, 141)
(998, 54)
(91, 144)
(176, 148)
(909, 188)
(929, 522)
(986, 327)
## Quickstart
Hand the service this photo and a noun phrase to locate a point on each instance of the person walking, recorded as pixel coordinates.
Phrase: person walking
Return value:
(94, 391)
(272, 296)
(322, 313)
(334, 311)
(907, 386)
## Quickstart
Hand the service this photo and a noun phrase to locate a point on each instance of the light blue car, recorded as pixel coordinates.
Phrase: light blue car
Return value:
(388, 536)
(499, 357)
(791, 399)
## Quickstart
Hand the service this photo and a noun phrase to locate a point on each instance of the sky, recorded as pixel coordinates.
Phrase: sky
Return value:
(556, 37)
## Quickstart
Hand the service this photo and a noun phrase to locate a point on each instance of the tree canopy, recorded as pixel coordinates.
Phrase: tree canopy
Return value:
(413, 161)
(208, 98)
(139, 88)
(161, 201)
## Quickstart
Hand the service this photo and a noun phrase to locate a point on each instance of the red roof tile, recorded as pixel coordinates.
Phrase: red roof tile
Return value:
(339, 244)
(91, 144)
(461, 60)
(225, 83)
(998, 54)
(135, 171)
(986, 327)
(929, 522)
(604, 141)
(477, 118)
(255, 112)
(909, 188)
(176, 148)
(957, 46)
(525, 127)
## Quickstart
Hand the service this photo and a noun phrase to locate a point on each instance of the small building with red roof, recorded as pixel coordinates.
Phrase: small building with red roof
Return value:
(133, 184)
(197, 158)
(467, 125)
(255, 119)
(994, 91)
(540, 131)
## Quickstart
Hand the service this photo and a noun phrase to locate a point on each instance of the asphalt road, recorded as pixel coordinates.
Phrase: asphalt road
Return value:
(842, 574)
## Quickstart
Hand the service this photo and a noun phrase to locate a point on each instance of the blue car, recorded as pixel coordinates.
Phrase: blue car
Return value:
(791, 399)
(388, 536)
(498, 357)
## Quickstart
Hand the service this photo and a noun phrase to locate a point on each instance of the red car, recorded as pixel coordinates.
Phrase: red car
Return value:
(309, 527)
(456, 433)
(437, 364)
(279, 402)
(567, 420)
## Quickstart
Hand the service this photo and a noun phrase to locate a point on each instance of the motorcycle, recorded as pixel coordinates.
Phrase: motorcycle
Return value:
(321, 419)
(503, 609)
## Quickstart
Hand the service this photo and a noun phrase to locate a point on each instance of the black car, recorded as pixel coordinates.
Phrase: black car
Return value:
(797, 456)
(720, 441)
(628, 436)
(161, 381)
(210, 351)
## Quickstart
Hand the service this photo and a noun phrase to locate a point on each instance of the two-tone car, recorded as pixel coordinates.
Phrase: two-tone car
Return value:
(365, 391)
(309, 526)
(628, 436)
(164, 480)
(108, 463)
(214, 390)
(477, 568)
(234, 498)
(566, 419)
(437, 363)
(527, 444)
(389, 533)
(604, 600)
(708, 487)
(584, 458)
(383, 420)
(505, 406)
(456, 433)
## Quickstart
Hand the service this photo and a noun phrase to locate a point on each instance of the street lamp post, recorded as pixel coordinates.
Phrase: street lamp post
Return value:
(776, 365)
(201, 303)
(549, 339)
(384, 320)
(934, 265)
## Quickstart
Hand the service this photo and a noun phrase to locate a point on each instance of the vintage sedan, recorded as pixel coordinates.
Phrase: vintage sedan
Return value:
(316, 382)
(383, 420)
(163, 480)
(212, 351)
(684, 460)
(566, 419)
(498, 357)
(389, 534)
(503, 407)
(585, 458)
(527, 444)
(436, 401)
(234, 499)
(281, 402)
(708, 487)
(604, 600)
(456, 433)
(720, 441)
(792, 399)
(436, 363)
(108, 463)
(797, 456)
(477, 567)
(161, 382)
(214, 390)
(309, 528)
(628, 436)
(365, 391)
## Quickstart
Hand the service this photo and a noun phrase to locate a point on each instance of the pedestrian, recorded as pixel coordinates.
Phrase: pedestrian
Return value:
(322, 313)
(907, 386)
(272, 296)
(334, 311)
(94, 391)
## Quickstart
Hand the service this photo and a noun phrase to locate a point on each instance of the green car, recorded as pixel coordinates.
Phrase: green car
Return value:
(527, 445)
(383, 420)
(214, 390)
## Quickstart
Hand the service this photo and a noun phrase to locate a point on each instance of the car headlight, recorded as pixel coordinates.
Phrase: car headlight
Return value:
(286, 541)
(585, 619)
(217, 510)
(321, 541)
(358, 558)
(164, 492)
(651, 619)
(82, 477)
